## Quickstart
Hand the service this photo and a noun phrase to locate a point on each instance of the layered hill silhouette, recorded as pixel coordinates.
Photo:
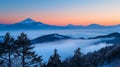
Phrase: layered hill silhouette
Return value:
(115, 35)
(113, 38)
(49, 38)
(30, 24)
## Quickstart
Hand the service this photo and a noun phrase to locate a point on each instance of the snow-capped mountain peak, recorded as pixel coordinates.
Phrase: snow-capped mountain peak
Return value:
(30, 24)
(28, 20)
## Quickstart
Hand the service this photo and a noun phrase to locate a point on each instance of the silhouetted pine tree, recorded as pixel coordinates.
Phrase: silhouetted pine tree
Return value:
(54, 60)
(77, 60)
(29, 58)
(8, 47)
(1, 55)
(43, 65)
(66, 62)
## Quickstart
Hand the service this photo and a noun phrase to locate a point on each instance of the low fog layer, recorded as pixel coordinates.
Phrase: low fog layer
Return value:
(73, 33)
(66, 47)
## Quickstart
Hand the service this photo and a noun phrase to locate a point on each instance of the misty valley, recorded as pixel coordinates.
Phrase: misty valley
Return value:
(59, 33)
(36, 44)
(60, 48)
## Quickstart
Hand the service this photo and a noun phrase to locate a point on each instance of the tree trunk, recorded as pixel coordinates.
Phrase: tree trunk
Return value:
(23, 58)
(9, 65)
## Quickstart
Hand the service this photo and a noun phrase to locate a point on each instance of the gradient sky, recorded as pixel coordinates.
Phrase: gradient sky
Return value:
(61, 12)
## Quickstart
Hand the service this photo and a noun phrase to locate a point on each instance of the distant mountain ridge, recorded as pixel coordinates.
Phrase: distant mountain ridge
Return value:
(113, 38)
(115, 35)
(49, 38)
(30, 24)
(27, 24)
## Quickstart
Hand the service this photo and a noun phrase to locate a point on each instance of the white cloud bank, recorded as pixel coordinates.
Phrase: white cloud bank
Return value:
(66, 47)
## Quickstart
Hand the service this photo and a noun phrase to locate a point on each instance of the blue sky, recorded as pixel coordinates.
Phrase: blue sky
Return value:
(61, 12)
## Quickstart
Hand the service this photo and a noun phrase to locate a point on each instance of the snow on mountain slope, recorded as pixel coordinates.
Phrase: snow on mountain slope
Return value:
(28, 20)
(49, 38)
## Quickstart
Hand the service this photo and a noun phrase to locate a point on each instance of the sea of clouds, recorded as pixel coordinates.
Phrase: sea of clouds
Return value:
(66, 48)
(77, 33)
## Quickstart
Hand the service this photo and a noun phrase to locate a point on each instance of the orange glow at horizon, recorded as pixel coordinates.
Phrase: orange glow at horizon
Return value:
(64, 22)
(62, 12)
